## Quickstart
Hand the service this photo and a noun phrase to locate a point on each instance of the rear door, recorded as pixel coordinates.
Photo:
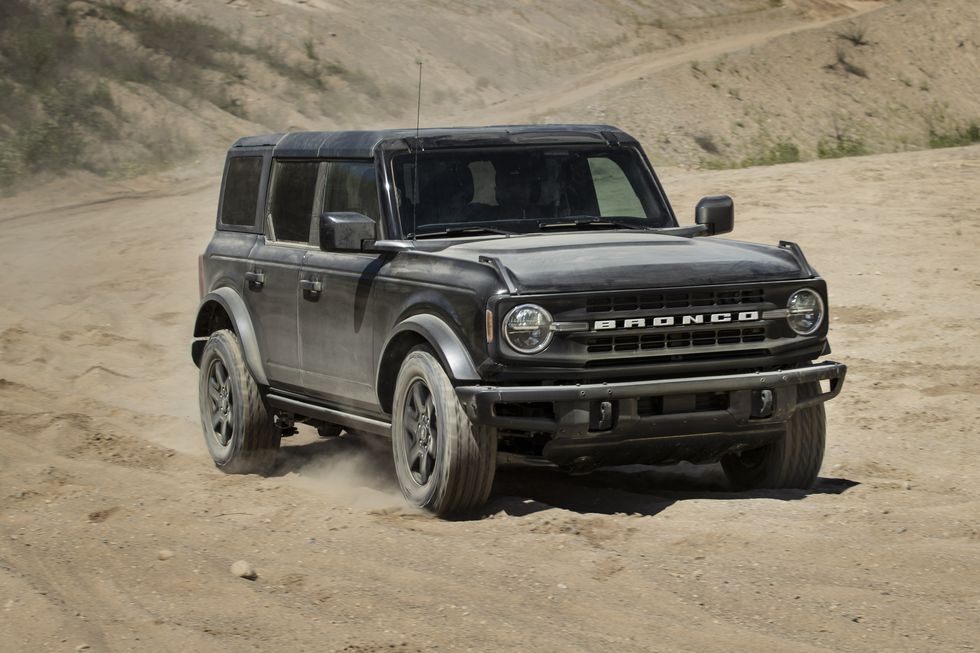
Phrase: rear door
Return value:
(336, 336)
(239, 220)
(272, 281)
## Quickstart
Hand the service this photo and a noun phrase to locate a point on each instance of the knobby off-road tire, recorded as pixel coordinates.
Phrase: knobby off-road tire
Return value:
(791, 462)
(444, 463)
(239, 430)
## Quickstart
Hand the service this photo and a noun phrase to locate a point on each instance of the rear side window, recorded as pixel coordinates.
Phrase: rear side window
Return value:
(291, 200)
(351, 186)
(241, 191)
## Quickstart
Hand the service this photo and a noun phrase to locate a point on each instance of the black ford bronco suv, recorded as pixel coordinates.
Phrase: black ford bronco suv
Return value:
(523, 290)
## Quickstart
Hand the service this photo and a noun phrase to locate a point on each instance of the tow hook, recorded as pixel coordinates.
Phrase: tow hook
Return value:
(581, 466)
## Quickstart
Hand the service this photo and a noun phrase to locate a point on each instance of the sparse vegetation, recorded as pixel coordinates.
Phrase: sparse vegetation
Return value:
(773, 153)
(844, 64)
(44, 114)
(947, 131)
(310, 46)
(840, 145)
(854, 34)
(706, 143)
(836, 148)
(779, 152)
(956, 136)
(56, 83)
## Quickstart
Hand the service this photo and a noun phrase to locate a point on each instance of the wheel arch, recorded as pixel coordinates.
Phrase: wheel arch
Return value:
(432, 332)
(224, 308)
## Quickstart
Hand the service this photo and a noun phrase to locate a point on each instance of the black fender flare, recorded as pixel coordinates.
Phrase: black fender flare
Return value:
(234, 306)
(455, 359)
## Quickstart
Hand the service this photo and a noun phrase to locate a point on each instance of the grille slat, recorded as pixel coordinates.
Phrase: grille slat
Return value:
(675, 340)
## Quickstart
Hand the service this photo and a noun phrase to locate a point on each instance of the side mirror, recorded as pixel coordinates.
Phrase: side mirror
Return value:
(345, 232)
(717, 213)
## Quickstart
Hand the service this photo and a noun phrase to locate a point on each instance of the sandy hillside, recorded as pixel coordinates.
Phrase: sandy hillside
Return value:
(121, 88)
(102, 464)
(124, 86)
(880, 79)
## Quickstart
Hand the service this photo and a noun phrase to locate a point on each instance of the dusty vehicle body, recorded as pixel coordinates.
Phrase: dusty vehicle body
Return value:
(520, 290)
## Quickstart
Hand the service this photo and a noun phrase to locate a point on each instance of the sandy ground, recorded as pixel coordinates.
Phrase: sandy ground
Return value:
(102, 463)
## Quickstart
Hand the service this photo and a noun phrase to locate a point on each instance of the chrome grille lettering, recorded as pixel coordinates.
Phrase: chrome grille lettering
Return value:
(672, 320)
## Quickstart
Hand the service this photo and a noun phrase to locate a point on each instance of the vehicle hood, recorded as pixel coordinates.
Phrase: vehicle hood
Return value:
(570, 262)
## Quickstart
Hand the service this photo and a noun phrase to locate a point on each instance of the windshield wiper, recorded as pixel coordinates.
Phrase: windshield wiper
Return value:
(577, 221)
(459, 231)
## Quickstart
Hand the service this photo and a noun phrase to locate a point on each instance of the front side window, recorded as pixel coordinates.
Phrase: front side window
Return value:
(613, 192)
(524, 190)
(351, 187)
(241, 193)
(291, 200)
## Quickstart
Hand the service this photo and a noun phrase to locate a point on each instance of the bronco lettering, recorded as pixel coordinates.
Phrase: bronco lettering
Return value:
(675, 320)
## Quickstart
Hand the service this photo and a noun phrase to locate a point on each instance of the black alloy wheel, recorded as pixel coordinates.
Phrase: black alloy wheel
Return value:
(239, 427)
(421, 431)
(444, 463)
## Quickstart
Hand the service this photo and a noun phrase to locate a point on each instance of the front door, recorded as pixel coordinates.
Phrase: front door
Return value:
(336, 331)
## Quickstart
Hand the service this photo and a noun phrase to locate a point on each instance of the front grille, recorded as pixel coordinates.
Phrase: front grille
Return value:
(674, 299)
(675, 340)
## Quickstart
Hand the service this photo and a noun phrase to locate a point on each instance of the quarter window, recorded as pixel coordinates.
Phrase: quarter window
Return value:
(291, 200)
(241, 191)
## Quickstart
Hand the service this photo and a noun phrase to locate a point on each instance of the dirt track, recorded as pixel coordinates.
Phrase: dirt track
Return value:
(102, 463)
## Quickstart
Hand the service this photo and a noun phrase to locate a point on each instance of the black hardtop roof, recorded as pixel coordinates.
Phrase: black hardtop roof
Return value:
(363, 144)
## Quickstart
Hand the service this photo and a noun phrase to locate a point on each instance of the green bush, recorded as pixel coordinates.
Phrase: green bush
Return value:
(955, 136)
(836, 148)
(778, 152)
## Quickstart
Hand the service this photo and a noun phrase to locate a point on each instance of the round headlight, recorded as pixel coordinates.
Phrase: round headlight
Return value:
(527, 328)
(805, 311)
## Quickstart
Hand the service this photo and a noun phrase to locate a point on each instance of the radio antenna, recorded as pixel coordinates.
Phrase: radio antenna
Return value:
(415, 172)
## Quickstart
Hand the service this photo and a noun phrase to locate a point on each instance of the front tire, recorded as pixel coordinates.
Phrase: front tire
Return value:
(792, 462)
(444, 463)
(239, 430)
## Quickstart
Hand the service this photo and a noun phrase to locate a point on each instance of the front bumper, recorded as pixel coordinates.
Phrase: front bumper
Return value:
(653, 421)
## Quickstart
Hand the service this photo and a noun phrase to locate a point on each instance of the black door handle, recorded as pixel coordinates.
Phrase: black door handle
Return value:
(311, 285)
(256, 279)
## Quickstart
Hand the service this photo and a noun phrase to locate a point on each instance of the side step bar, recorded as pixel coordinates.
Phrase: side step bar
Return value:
(365, 424)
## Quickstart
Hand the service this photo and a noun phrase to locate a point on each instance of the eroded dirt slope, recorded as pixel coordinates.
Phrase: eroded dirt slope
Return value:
(886, 78)
(120, 88)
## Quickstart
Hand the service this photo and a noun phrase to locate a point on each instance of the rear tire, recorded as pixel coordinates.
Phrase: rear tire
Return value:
(444, 463)
(792, 462)
(239, 429)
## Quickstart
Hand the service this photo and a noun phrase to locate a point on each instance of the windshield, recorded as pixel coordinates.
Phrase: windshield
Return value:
(468, 192)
